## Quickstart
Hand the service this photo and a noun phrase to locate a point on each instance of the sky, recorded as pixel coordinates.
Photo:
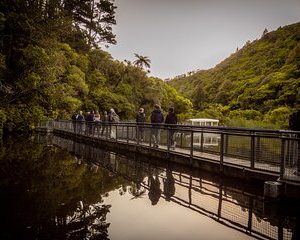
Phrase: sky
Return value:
(185, 35)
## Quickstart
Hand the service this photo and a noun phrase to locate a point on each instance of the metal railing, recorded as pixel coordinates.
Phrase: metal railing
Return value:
(274, 151)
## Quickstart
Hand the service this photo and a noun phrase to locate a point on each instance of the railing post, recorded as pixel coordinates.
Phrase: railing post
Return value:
(168, 139)
(150, 137)
(116, 132)
(192, 147)
(226, 145)
(137, 135)
(127, 134)
(221, 152)
(181, 139)
(282, 157)
(202, 139)
(252, 150)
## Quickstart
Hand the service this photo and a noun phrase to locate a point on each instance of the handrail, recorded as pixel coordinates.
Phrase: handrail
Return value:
(268, 151)
(187, 126)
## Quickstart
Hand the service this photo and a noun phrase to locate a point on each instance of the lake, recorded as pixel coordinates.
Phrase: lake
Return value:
(56, 188)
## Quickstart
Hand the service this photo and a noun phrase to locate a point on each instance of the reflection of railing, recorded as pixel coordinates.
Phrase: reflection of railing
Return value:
(227, 205)
(272, 151)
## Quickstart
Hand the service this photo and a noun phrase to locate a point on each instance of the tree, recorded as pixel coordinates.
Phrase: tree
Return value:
(141, 61)
(265, 32)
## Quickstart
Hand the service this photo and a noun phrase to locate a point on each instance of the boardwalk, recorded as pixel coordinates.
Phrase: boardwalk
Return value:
(271, 152)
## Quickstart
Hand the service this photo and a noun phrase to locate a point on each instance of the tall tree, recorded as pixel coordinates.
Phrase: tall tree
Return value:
(142, 61)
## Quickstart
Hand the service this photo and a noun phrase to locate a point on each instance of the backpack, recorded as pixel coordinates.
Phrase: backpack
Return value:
(115, 118)
(74, 117)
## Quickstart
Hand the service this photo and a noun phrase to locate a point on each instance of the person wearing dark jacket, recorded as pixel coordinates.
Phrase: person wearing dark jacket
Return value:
(171, 119)
(157, 118)
(90, 122)
(294, 124)
(80, 122)
(140, 120)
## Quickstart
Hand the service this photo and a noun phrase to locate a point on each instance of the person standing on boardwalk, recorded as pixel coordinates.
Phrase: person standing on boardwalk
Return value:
(157, 118)
(105, 124)
(113, 118)
(294, 124)
(140, 120)
(74, 119)
(80, 120)
(97, 123)
(90, 122)
(171, 119)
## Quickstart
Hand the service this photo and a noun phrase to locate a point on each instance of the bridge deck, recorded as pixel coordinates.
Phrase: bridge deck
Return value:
(269, 152)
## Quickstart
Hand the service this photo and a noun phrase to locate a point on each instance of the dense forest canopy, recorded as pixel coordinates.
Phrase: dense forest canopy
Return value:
(258, 85)
(52, 64)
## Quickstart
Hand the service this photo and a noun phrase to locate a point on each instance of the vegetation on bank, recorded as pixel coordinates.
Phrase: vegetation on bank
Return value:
(258, 86)
(51, 65)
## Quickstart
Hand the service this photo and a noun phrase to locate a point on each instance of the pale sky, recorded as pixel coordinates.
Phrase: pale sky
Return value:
(184, 35)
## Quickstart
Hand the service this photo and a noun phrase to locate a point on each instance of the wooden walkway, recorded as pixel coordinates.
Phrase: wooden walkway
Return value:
(268, 164)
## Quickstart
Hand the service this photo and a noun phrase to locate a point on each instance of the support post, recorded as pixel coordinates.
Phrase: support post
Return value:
(252, 150)
(221, 151)
(282, 157)
(192, 147)
(127, 134)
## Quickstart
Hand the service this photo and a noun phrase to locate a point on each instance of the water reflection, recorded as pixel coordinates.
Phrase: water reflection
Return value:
(47, 193)
(225, 202)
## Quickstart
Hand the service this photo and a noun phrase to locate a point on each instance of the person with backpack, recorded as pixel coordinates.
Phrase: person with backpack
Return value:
(80, 122)
(157, 118)
(74, 119)
(105, 127)
(97, 120)
(113, 118)
(140, 120)
(90, 122)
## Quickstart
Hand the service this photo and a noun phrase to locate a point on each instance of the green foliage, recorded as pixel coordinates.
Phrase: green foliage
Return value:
(248, 114)
(279, 117)
(263, 76)
(52, 66)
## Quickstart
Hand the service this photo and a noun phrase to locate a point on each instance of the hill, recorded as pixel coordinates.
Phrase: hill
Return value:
(258, 82)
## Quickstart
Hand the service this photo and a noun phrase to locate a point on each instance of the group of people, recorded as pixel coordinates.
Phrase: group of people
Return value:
(157, 119)
(94, 122)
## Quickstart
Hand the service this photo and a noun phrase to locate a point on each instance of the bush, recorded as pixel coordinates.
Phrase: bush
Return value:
(279, 117)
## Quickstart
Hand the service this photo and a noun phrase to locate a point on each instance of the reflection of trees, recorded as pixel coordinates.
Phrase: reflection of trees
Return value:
(41, 190)
(88, 222)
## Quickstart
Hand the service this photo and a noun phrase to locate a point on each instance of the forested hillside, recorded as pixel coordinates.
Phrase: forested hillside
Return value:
(52, 64)
(257, 85)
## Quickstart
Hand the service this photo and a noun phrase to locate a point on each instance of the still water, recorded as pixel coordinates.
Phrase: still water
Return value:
(55, 188)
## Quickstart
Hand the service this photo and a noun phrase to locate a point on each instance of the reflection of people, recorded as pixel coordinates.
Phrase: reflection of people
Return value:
(171, 119)
(156, 118)
(154, 190)
(294, 124)
(169, 185)
(140, 120)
